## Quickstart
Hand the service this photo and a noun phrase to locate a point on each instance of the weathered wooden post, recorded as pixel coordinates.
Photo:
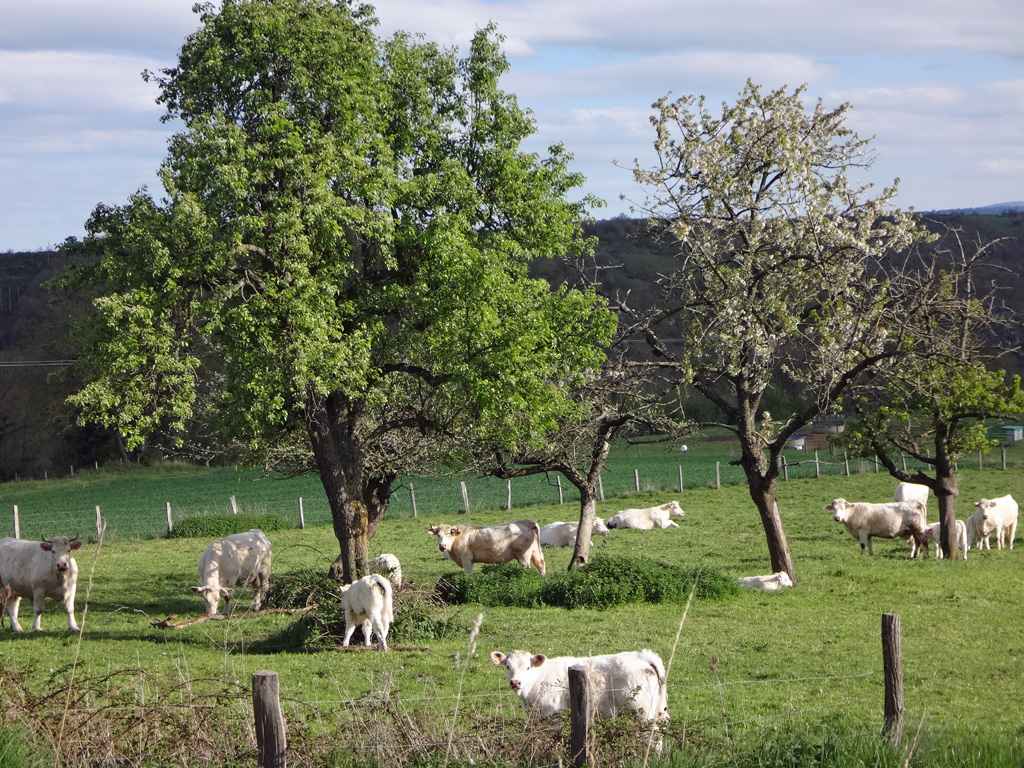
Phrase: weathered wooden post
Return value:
(234, 506)
(579, 716)
(892, 665)
(817, 464)
(302, 515)
(271, 740)
(17, 524)
(718, 475)
(785, 468)
(680, 478)
(558, 482)
(846, 463)
(981, 460)
(636, 479)
(465, 497)
(1003, 451)
(412, 498)
(99, 523)
(508, 498)
(170, 522)
(600, 487)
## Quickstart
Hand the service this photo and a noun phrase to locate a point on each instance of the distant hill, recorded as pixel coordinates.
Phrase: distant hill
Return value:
(997, 209)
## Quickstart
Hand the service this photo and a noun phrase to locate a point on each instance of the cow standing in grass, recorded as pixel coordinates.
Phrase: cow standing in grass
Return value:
(40, 570)
(491, 544)
(234, 561)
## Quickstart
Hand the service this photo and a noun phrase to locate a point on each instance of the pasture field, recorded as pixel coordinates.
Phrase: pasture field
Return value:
(802, 659)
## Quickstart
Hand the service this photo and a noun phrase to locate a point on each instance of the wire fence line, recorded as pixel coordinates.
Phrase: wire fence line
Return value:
(431, 497)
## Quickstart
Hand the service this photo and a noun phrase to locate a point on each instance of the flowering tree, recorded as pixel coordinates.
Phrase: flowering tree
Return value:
(781, 261)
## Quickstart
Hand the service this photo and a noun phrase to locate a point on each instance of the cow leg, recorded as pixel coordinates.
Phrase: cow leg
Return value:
(381, 629)
(69, 606)
(38, 604)
(350, 628)
(467, 566)
(12, 613)
(865, 541)
(1012, 532)
(367, 632)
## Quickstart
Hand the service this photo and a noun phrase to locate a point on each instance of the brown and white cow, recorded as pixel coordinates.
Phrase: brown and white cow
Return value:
(234, 561)
(491, 544)
(40, 570)
(891, 520)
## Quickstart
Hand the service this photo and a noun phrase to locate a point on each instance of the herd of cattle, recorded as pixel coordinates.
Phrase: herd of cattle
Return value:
(47, 569)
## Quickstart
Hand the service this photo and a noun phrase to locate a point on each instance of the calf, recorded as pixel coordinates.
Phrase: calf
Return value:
(892, 520)
(998, 515)
(770, 583)
(634, 679)
(387, 565)
(234, 561)
(564, 534)
(491, 544)
(932, 534)
(40, 570)
(368, 602)
(645, 519)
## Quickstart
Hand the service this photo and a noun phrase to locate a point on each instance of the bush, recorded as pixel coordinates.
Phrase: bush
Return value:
(419, 617)
(221, 525)
(602, 583)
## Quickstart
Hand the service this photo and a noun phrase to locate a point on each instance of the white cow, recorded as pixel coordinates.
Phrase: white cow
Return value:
(491, 544)
(564, 534)
(932, 533)
(387, 565)
(912, 492)
(40, 570)
(891, 520)
(368, 602)
(634, 679)
(645, 519)
(999, 516)
(234, 561)
(977, 536)
(770, 583)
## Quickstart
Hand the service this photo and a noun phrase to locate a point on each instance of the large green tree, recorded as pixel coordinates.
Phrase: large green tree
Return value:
(340, 262)
(780, 261)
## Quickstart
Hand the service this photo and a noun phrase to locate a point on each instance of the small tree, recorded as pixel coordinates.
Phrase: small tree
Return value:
(779, 258)
(932, 402)
(340, 266)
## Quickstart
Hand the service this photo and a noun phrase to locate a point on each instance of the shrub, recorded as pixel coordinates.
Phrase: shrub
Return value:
(219, 525)
(602, 583)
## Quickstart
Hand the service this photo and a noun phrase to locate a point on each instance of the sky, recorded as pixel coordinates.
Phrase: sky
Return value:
(939, 84)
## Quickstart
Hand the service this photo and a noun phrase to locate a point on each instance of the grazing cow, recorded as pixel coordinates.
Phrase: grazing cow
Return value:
(770, 583)
(912, 492)
(368, 602)
(998, 515)
(634, 679)
(932, 533)
(892, 520)
(387, 565)
(491, 544)
(645, 519)
(564, 534)
(234, 561)
(40, 570)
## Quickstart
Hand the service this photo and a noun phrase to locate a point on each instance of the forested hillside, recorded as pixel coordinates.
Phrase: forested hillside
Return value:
(38, 436)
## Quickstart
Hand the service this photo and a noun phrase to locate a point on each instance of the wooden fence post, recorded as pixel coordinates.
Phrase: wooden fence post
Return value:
(981, 460)
(271, 740)
(17, 524)
(636, 479)
(234, 506)
(558, 482)
(892, 665)
(718, 475)
(99, 524)
(302, 515)
(412, 497)
(785, 468)
(600, 487)
(817, 464)
(579, 716)
(508, 500)
(465, 497)
(680, 478)
(170, 523)
(1003, 450)
(846, 463)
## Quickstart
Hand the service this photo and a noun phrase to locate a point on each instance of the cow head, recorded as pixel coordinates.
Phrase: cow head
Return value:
(838, 506)
(445, 534)
(673, 509)
(212, 596)
(516, 664)
(61, 548)
(985, 506)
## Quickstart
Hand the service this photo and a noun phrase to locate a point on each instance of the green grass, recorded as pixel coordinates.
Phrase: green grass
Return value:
(799, 663)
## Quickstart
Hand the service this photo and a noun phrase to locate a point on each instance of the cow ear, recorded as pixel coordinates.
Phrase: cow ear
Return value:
(498, 658)
(46, 546)
(455, 531)
(227, 592)
(537, 660)
(432, 530)
(76, 544)
(198, 590)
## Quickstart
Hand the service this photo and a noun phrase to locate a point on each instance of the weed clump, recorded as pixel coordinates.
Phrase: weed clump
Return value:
(602, 583)
(220, 525)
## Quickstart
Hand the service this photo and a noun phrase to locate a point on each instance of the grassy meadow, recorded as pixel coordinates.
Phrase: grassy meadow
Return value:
(805, 661)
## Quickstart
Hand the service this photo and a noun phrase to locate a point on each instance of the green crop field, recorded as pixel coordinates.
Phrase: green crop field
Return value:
(790, 665)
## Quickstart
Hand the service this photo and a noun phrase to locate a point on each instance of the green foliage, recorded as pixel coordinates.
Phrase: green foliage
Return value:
(419, 617)
(218, 526)
(604, 582)
(18, 751)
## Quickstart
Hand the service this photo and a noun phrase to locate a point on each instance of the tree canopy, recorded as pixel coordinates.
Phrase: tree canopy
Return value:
(340, 263)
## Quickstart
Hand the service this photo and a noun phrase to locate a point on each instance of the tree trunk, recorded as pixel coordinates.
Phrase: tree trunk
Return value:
(765, 499)
(946, 490)
(588, 514)
(357, 500)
